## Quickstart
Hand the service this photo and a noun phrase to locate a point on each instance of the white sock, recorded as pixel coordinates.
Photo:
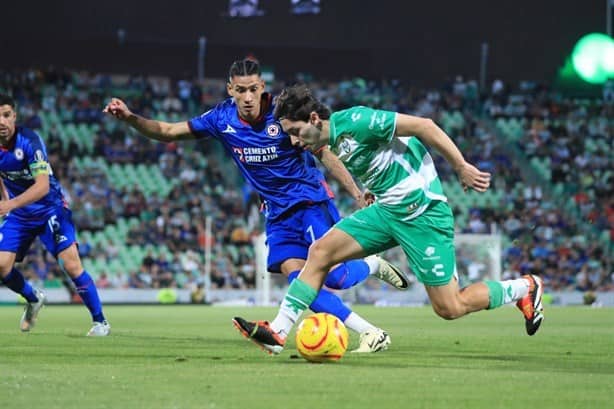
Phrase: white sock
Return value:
(282, 324)
(373, 263)
(296, 300)
(514, 290)
(356, 323)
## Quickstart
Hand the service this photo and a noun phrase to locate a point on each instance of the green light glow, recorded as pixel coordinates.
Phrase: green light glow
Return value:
(593, 58)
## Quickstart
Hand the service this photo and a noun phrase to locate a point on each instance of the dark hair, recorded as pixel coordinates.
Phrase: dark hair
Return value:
(297, 103)
(7, 100)
(243, 68)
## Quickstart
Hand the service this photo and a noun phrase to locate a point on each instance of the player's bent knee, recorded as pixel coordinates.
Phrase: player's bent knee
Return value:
(321, 255)
(73, 267)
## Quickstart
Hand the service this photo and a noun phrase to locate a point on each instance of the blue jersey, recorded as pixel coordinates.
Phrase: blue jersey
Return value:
(20, 163)
(282, 174)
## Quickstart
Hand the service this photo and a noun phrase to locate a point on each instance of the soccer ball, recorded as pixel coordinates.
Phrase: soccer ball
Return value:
(321, 337)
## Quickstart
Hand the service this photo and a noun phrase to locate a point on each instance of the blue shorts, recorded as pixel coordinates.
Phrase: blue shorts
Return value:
(291, 235)
(56, 231)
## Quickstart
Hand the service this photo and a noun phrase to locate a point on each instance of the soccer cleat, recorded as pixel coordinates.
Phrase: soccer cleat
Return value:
(531, 304)
(28, 319)
(373, 340)
(391, 274)
(99, 329)
(260, 333)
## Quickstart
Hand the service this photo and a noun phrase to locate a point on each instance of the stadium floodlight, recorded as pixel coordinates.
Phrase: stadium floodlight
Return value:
(593, 58)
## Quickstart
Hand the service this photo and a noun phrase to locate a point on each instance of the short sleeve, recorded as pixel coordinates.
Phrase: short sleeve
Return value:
(36, 155)
(366, 125)
(205, 125)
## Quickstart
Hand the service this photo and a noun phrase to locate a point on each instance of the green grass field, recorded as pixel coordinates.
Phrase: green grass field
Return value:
(192, 357)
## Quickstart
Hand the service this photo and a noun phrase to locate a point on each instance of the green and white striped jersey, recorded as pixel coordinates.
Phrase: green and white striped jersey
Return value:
(399, 171)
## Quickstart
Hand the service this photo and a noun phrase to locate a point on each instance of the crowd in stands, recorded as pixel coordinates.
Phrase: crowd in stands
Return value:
(569, 146)
(567, 143)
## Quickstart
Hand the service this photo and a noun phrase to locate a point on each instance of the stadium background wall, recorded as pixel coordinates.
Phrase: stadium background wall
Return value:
(527, 39)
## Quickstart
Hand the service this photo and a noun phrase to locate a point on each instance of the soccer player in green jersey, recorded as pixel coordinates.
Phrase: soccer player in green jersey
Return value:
(386, 152)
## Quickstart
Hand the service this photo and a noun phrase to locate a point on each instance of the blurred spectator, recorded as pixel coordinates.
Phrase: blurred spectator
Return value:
(564, 144)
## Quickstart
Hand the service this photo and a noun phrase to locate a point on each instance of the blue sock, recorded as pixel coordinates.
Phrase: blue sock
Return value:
(329, 302)
(88, 293)
(347, 275)
(326, 301)
(16, 282)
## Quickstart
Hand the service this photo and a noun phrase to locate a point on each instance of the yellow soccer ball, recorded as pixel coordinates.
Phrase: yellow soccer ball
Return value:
(321, 337)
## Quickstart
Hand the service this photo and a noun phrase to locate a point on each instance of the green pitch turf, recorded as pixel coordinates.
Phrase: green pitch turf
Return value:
(192, 357)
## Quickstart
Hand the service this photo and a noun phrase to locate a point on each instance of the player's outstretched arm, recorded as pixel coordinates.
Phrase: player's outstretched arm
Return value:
(32, 194)
(435, 137)
(338, 170)
(158, 130)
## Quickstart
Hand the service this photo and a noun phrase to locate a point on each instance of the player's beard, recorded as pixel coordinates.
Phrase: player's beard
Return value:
(313, 135)
(7, 131)
(5, 136)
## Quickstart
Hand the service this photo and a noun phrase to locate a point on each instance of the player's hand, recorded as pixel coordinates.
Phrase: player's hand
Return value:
(5, 207)
(366, 199)
(118, 109)
(473, 178)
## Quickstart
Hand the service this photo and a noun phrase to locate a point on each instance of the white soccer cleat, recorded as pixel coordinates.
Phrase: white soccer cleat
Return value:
(100, 329)
(391, 274)
(373, 340)
(28, 319)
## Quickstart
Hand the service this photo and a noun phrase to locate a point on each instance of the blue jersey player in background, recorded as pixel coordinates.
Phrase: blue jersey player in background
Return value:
(298, 204)
(35, 207)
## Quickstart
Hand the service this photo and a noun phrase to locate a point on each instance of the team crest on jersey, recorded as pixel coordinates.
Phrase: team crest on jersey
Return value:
(19, 154)
(345, 146)
(272, 130)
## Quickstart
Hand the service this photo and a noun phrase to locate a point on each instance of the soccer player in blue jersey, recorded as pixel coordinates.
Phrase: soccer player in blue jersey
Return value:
(298, 204)
(35, 207)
